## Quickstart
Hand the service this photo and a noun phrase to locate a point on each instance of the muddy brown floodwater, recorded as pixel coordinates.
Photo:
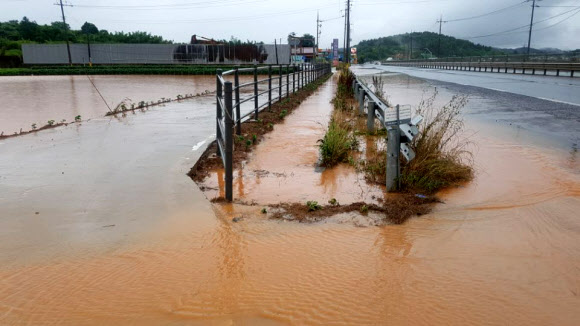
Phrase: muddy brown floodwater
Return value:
(37, 99)
(502, 250)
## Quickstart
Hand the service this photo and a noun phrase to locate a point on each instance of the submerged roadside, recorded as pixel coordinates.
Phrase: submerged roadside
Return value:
(279, 171)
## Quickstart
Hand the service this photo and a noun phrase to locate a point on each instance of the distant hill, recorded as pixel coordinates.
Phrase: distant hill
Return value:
(424, 43)
(524, 50)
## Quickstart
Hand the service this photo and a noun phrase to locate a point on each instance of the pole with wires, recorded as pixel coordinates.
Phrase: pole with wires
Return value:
(65, 32)
(440, 21)
(347, 50)
(531, 25)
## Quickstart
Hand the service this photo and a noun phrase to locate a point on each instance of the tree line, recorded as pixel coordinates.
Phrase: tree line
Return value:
(420, 45)
(13, 33)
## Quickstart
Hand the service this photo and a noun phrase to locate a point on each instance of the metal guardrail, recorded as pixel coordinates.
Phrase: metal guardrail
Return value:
(546, 58)
(506, 63)
(228, 103)
(401, 128)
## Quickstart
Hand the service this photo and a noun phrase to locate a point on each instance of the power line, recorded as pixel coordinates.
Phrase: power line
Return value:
(486, 14)
(228, 19)
(515, 30)
(200, 4)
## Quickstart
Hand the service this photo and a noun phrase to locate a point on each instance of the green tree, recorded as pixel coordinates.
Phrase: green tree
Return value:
(89, 29)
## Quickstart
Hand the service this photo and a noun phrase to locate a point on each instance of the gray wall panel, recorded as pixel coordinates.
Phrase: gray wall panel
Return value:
(147, 54)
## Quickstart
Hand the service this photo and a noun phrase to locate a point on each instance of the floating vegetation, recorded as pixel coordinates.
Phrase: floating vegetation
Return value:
(127, 104)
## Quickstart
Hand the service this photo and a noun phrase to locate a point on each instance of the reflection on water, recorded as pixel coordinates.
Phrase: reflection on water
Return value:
(37, 99)
(501, 250)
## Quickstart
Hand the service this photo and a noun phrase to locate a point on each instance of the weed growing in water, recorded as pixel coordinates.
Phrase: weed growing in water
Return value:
(336, 144)
(50, 122)
(77, 118)
(333, 202)
(364, 209)
(33, 126)
(313, 206)
(264, 211)
(443, 158)
(283, 114)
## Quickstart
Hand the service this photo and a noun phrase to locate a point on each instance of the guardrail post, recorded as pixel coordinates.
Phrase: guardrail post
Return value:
(279, 83)
(237, 94)
(393, 149)
(293, 78)
(256, 92)
(371, 117)
(229, 142)
(269, 87)
(219, 114)
(287, 81)
(361, 102)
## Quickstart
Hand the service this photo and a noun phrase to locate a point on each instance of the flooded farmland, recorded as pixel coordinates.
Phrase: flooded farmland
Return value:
(37, 99)
(100, 225)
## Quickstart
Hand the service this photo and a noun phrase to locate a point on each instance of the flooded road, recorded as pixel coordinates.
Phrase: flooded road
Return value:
(122, 236)
(282, 168)
(552, 88)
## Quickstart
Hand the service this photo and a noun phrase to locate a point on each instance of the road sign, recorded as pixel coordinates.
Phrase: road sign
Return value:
(335, 49)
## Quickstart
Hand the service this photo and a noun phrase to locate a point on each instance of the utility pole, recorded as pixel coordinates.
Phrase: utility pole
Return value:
(318, 25)
(66, 32)
(531, 25)
(440, 21)
(411, 50)
(347, 50)
(344, 41)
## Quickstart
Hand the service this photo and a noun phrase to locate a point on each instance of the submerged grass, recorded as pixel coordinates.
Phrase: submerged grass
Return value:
(339, 138)
(442, 157)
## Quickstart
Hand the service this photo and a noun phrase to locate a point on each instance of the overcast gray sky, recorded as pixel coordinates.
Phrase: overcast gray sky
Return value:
(558, 21)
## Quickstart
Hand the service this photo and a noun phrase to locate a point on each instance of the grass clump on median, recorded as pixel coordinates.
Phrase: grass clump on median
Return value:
(339, 138)
(443, 157)
(336, 144)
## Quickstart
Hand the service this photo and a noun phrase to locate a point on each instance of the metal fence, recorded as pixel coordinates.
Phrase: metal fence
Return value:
(228, 102)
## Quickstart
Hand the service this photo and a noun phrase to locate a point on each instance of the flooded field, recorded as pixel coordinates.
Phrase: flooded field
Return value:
(99, 225)
(37, 99)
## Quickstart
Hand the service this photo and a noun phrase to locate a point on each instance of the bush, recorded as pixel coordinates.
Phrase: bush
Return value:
(336, 144)
(443, 158)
